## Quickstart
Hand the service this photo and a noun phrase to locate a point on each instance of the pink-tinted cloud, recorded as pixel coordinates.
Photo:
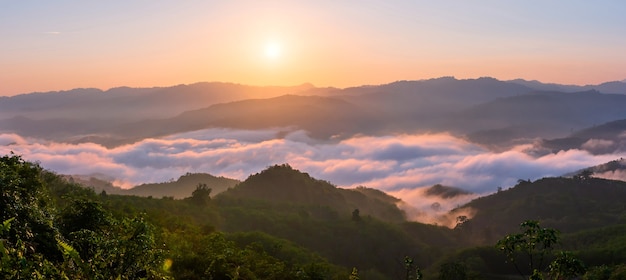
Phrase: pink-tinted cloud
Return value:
(399, 164)
(599, 145)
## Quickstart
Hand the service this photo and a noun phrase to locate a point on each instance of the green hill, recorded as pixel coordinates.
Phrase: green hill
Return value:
(283, 184)
(350, 227)
(283, 224)
(566, 204)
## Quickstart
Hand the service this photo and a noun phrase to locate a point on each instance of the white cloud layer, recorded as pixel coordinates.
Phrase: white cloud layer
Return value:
(400, 164)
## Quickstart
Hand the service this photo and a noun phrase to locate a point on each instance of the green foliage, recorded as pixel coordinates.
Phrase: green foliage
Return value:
(412, 271)
(283, 224)
(82, 242)
(566, 266)
(281, 183)
(537, 275)
(369, 244)
(201, 196)
(126, 250)
(18, 261)
(24, 198)
(566, 204)
(534, 243)
(84, 214)
(354, 275)
(217, 258)
(605, 245)
(605, 272)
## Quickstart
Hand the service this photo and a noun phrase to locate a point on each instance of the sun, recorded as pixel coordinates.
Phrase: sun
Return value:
(273, 50)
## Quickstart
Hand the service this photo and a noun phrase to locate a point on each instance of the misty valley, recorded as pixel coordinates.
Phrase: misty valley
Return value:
(431, 179)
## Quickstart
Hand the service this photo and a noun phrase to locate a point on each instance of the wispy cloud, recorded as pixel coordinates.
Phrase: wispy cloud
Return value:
(401, 164)
(52, 32)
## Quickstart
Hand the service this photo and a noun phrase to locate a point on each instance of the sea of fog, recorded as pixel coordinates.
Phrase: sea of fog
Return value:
(400, 165)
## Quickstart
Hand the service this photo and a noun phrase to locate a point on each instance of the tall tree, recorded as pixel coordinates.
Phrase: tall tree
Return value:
(534, 243)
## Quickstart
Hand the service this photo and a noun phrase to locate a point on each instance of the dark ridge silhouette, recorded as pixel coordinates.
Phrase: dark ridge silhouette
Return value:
(487, 111)
(133, 104)
(322, 117)
(618, 87)
(598, 139)
(538, 115)
(445, 191)
(611, 167)
(179, 189)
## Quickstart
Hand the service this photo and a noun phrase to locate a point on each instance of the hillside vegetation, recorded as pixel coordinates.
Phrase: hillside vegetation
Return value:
(283, 224)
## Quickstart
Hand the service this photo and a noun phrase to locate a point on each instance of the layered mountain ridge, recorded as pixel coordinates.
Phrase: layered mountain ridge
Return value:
(487, 111)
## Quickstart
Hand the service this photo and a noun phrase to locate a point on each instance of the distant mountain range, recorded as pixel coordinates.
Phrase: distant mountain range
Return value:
(131, 104)
(608, 87)
(177, 189)
(487, 111)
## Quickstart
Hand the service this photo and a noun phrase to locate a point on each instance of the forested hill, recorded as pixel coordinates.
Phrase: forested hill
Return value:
(283, 224)
(283, 184)
(566, 204)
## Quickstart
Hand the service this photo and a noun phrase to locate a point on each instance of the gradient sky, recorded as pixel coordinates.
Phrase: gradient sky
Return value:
(63, 44)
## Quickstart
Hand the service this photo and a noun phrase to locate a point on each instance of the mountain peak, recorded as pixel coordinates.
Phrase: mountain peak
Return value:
(283, 183)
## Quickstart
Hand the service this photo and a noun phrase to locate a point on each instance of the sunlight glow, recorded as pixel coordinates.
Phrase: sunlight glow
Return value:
(272, 50)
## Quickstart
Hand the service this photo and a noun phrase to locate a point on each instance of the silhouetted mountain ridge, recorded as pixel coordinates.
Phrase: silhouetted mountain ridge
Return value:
(487, 111)
(609, 137)
(322, 117)
(538, 115)
(618, 87)
(178, 189)
(133, 104)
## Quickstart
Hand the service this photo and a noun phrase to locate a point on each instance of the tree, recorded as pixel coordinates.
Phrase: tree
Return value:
(411, 269)
(584, 175)
(566, 266)
(87, 244)
(354, 275)
(356, 215)
(533, 243)
(408, 264)
(84, 214)
(24, 198)
(201, 196)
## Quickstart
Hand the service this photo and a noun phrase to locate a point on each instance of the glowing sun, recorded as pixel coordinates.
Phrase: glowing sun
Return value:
(273, 50)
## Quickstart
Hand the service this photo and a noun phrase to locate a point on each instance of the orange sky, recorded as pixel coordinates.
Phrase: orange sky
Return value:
(68, 44)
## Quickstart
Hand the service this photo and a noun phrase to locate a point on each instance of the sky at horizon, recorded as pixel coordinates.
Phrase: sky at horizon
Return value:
(66, 44)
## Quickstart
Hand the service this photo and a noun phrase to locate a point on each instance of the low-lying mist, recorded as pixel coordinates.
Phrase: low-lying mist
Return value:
(402, 165)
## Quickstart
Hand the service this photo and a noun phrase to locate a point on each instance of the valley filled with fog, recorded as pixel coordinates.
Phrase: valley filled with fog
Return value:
(476, 135)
